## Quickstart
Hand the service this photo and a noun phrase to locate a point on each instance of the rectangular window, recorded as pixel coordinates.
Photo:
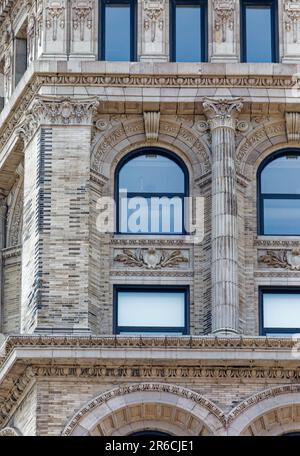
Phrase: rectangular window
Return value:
(280, 311)
(259, 31)
(150, 310)
(281, 216)
(118, 26)
(20, 54)
(188, 30)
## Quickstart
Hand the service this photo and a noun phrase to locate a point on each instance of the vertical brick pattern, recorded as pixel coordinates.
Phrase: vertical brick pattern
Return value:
(56, 231)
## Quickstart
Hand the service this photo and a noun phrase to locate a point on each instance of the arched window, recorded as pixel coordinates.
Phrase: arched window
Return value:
(151, 185)
(279, 194)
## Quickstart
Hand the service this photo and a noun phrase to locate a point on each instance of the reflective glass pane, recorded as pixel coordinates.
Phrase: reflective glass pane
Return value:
(281, 310)
(151, 215)
(117, 32)
(258, 33)
(152, 309)
(282, 175)
(282, 216)
(188, 33)
(151, 173)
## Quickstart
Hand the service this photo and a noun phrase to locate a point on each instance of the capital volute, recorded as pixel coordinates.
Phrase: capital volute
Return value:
(56, 111)
(222, 112)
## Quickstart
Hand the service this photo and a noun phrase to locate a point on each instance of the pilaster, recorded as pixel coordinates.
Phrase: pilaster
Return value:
(56, 216)
(153, 29)
(290, 30)
(224, 30)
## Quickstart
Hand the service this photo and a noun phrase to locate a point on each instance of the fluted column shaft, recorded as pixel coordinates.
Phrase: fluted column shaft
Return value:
(3, 211)
(222, 121)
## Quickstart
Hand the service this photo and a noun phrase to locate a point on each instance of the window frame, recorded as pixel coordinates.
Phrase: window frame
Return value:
(281, 196)
(133, 30)
(263, 331)
(154, 289)
(204, 28)
(274, 29)
(165, 153)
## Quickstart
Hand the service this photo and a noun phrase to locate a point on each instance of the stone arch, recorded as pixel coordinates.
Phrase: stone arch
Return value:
(258, 144)
(142, 406)
(119, 138)
(274, 411)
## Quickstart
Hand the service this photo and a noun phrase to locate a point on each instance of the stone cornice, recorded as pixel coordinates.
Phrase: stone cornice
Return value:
(204, 343)
(13, 114)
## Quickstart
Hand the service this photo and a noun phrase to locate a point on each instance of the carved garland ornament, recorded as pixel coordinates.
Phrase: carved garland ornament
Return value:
(151, 258)
(292, 11)
(153, 11)
(82, 17)
(282, 259)
(55, 18)
(224, 11)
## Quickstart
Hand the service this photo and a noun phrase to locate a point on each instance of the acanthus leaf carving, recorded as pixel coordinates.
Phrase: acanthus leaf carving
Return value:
(151, 258)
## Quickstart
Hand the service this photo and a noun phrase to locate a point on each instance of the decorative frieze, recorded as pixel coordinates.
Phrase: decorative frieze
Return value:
(151, 258)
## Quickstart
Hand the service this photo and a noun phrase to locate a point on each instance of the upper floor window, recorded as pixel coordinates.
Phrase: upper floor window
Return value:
(151, 186)
(150, 310)
(20, 54)
(259, 30)
(118, 30)
(188, 30)
(279, 190)
(280, 311)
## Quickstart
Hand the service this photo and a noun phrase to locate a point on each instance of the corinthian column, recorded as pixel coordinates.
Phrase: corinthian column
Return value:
(222, 121)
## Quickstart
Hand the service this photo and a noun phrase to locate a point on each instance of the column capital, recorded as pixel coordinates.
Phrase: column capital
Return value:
(56, 111)
(222, 112)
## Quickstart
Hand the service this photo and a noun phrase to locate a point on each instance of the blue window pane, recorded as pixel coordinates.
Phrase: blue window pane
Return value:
(151, 174)
(282, 176)
(117, 32)
(282, 216)
(188, 33)
(259, 33)
(142, 215)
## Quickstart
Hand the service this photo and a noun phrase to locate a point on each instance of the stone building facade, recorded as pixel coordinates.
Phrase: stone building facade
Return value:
(68, 119)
